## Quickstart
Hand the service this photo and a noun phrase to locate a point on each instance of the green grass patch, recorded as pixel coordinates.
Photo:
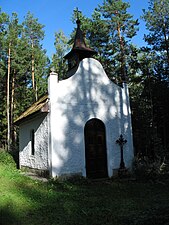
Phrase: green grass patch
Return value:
(24, 201)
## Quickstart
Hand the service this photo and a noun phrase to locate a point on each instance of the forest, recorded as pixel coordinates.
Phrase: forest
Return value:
(24, 67)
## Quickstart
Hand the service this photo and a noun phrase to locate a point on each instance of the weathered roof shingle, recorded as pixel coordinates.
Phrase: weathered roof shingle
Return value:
(38, 107)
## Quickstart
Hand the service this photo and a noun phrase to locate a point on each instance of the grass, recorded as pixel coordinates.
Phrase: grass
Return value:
(24, 201)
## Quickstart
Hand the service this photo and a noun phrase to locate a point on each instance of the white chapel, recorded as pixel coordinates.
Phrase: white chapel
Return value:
(73, 130)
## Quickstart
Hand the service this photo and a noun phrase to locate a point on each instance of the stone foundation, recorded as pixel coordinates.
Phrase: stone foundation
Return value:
(39, 172)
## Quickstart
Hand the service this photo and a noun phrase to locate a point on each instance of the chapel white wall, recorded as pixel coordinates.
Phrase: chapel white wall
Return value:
(87, 94)
(40, 159)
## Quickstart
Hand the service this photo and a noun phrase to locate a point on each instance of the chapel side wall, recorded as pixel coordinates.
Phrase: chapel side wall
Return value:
(40, 158)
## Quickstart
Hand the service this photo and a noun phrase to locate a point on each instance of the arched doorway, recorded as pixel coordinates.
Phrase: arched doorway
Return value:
(95, 149)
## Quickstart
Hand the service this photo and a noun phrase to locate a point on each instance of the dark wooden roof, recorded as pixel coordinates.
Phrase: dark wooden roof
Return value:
(41, 106)
(80, 45)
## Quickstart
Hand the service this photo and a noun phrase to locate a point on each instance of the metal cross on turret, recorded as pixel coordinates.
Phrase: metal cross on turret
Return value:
(79, 50)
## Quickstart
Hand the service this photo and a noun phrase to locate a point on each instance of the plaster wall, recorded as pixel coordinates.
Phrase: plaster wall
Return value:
(87, 94)
(40, 158)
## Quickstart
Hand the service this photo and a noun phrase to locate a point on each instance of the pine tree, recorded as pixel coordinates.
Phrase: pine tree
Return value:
(109, 32)
(11, 40)
(157, 23)
(34, 34)
(16, 73)
(62, 47)
(4, 19)
(122, 27)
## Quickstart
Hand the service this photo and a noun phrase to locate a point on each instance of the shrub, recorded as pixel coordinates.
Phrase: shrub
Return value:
(164, 168)
(145, 168)
(6, 159)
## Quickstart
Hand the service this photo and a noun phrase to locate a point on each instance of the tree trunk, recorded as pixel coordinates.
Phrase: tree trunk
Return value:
(123, 73)
(166, 40)
(12, 105)
(8, 99)
(33, 69)
(33, 73)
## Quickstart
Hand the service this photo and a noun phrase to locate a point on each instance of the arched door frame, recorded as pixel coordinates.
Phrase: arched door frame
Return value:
(95, 149)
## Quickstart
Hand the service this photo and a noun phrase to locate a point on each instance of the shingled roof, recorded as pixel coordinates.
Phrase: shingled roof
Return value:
(79, 45)
(41, 106)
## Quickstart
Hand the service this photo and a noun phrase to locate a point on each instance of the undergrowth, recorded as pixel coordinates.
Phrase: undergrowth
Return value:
(6, 159)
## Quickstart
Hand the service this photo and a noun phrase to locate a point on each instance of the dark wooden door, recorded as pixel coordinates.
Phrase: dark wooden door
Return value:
(95, 149)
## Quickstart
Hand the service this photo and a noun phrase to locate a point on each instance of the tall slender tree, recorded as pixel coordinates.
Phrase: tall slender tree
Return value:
(157, 23)
(122, 27)
(12, 35)
(33, 32)
(16, 72)
(4, 20)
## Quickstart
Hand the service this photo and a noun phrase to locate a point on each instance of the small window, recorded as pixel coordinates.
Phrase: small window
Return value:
(32, 142)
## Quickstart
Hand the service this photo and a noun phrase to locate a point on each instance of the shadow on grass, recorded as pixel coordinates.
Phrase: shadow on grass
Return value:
(84, 203)
(7, 217)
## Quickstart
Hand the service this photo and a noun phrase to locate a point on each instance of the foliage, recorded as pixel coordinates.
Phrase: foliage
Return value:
(33, 34)
(19, 43)
(118, 27)
(157, 23)
(62, 47)
(6, 159)
(158, 32)
(149, 96)
(145, 168)
(164, 168)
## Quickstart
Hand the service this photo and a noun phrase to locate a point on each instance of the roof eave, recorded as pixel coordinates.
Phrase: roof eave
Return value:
(31, 116)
